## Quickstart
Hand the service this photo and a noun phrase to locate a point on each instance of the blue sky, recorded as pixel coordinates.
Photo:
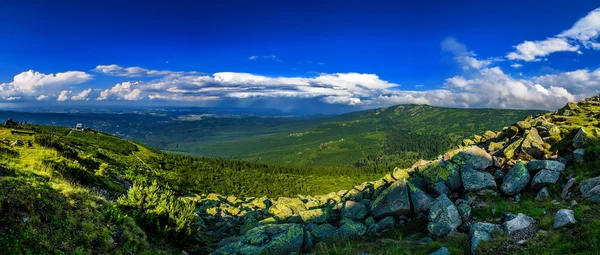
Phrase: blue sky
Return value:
(299, 54)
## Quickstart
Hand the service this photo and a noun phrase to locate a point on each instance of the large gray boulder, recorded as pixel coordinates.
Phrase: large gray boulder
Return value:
(443, 216)
(516, 179)
(590, 189)
(314, 216)
(564, 217)
(267, 239)
(482, 232)
(475, 157)
(421, 201)
(533, 144)
(518, 223)
(552, 165)
(351, 228)
(580, 138)
(383, 225)
(324, 231)
(543, 178)
(354, 210)
(474, 180)
(393, 201)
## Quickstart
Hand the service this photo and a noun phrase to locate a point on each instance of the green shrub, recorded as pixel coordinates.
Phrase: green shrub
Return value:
(158, 211)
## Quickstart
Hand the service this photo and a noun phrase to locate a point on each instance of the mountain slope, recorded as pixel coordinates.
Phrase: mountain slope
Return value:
(379, 138)
(87, 192)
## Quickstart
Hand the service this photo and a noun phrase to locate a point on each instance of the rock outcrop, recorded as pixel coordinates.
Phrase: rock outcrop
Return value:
(518, 158)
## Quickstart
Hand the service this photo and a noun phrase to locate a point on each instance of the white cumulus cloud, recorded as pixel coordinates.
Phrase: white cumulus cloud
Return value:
(585, 31)
(83, 95)
(134, 71)
(535, 50)
(32, 84)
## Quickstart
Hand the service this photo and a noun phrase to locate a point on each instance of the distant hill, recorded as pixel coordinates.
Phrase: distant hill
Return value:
(379, 138)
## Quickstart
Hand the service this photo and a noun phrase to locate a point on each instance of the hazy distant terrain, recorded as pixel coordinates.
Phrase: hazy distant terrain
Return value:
(378, 138)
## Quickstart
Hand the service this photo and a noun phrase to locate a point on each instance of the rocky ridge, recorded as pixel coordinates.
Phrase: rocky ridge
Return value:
(525, 157)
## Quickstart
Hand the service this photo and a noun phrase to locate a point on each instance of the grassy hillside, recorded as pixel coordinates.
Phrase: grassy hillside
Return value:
(76, 186)
(379, 138)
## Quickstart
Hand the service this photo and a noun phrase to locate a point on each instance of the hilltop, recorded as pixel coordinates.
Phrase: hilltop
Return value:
(529, 187)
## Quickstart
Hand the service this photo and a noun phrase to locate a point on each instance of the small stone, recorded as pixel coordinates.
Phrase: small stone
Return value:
(441, 251)
(426, 240)
(520, 222)
(564, 217)
(565, 194)
(543, 193)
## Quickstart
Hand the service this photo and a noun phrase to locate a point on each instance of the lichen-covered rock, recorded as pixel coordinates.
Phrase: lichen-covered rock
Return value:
(268, 239)
(474, 180)
(354, 210)
(510, 150)
(441, 251)
(564, 217)
(487, 135)
(421, 201)
(474, 157)
(351, 228)
(324, 231)
(544, 178)
(482, 232)
(465, 211)
(314, 216)
(518, 223)
(569, 109)
(523, 125)
(590, 189)
(441, 188)
(511, 132)
(443, 217)
(393, 201)
(381, 226)
(516, 179)
(580, 138)
(552, 165)
(441, 171)
(386, 223)
(400, 173)
(495, 146)
(262, 202)
(533, 144)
